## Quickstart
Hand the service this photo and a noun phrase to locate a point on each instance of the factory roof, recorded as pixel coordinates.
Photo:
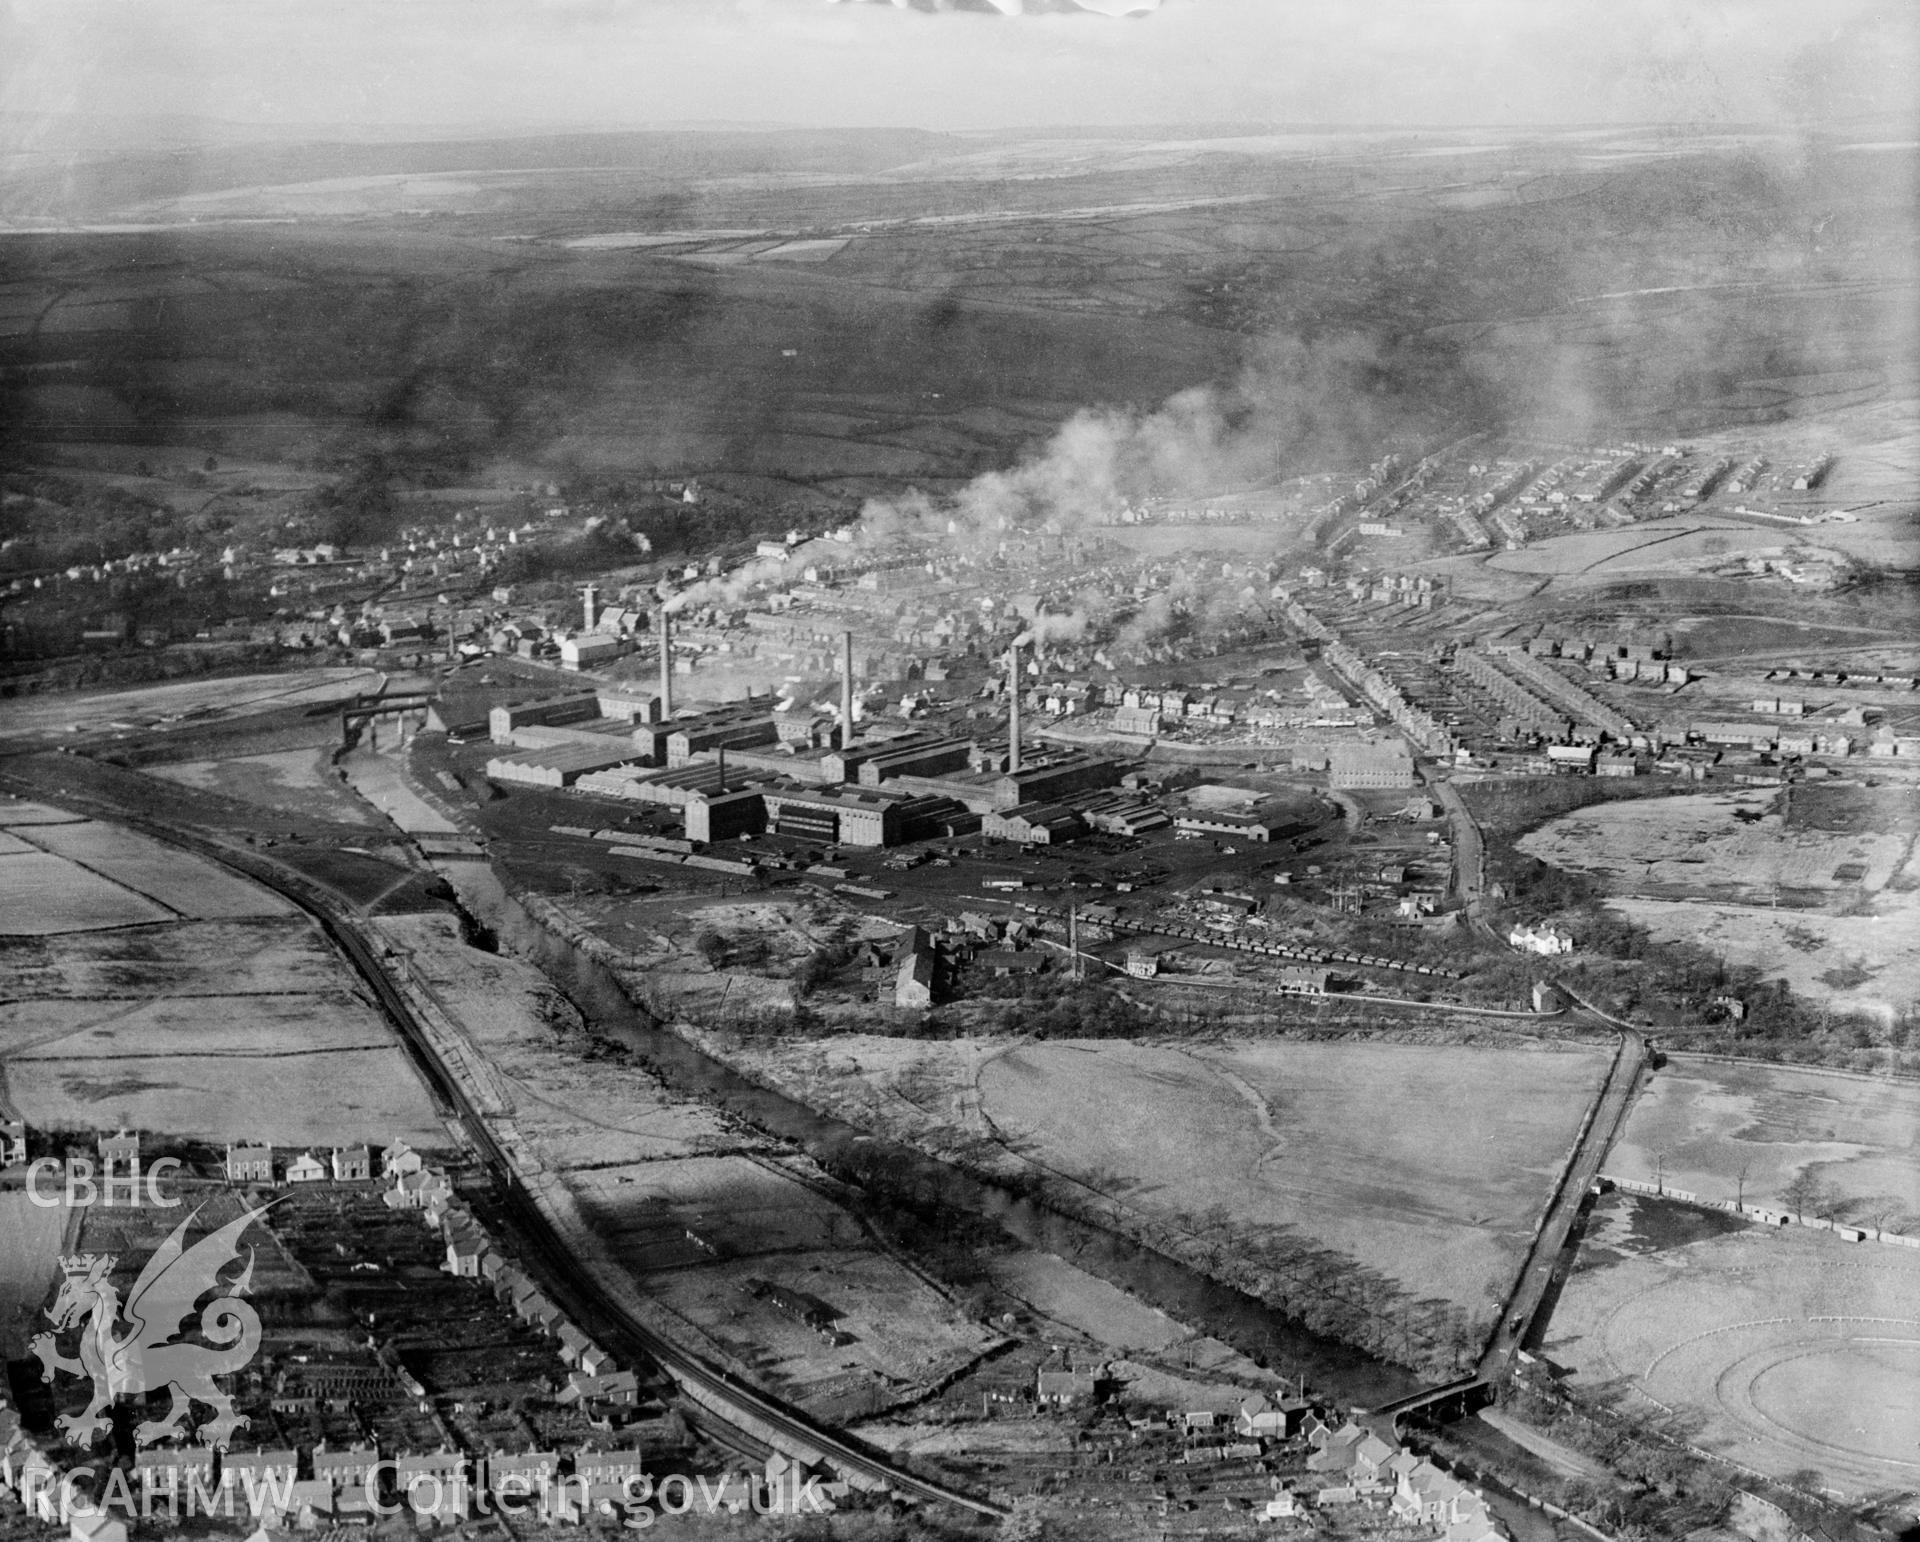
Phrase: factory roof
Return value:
(571, 757)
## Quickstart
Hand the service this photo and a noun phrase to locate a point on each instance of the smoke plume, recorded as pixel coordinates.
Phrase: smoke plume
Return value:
(1296, 405)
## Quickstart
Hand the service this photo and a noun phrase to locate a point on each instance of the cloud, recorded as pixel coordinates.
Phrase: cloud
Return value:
(1017, 7)
(884, 62)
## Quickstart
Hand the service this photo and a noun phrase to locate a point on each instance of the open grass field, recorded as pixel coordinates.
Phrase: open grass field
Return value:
(1704, 1123)
(43, 895)
(291, 781)
(183, 883)
(188, 959)
(1653, 545)
(104, 1033)
(1084, 1302)
(1810, 900)
(294, 1068)
(321, 1098)
(1866, 964)
(19, 811)
(116, 1011)
(636, 301)
(1792, 1352)
(1428, 1164)
(1696, 844)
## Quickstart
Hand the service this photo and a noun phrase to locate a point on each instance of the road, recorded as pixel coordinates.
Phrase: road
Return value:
(755, 1418)
(1522, 1308)
(1603, 1124)
(1469, 851)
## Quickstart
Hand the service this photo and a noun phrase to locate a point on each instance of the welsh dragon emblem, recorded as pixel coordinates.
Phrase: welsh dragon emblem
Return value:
(146, 1357)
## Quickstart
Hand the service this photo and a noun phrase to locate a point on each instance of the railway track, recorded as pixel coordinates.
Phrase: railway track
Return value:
(749, 1413)
(743, 1416)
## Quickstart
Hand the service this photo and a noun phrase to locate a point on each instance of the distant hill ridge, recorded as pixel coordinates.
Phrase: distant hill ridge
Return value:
(87, 181)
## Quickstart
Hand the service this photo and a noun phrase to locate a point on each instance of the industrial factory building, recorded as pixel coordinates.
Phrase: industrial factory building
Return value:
(1261, 824)
(1035, 824)
(561, 765)
(726, 816)
(574, 707)
(923, 755)
(843, 816)
(1055, 778)
(651, 784)
(745, 727)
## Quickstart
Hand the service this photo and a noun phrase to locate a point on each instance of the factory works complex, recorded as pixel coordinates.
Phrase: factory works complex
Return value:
(745, 769)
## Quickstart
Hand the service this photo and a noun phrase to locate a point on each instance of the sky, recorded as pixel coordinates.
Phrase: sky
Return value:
(919, 63)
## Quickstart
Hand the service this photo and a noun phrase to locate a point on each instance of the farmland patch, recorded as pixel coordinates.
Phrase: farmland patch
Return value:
(1428, 1164)
(40, 895)
(242, 1027)
(191, 958)
(173, 878)
(1728, 1130)
(15, 811)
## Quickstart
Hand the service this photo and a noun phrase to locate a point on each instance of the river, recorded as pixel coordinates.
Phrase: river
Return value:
(1338, 1374)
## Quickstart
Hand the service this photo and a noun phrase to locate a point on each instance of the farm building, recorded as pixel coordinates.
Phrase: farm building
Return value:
(811, 1310)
